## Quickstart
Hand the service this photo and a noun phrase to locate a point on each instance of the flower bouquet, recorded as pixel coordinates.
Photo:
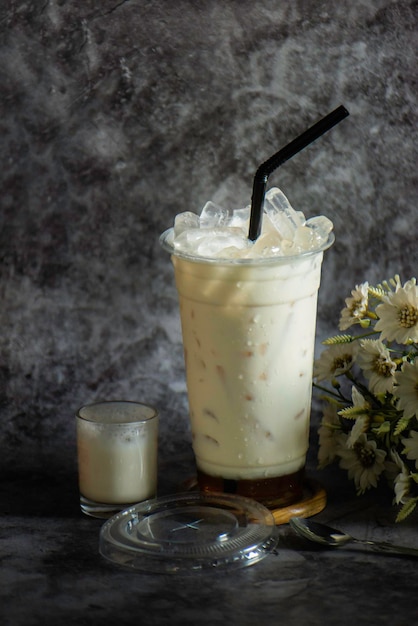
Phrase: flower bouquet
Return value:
(370, 420)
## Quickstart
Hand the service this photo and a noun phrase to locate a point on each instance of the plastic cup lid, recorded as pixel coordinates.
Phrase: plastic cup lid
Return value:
(189, 532)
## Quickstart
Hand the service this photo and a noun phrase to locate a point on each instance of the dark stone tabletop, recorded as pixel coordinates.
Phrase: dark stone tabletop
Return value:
(52, 571)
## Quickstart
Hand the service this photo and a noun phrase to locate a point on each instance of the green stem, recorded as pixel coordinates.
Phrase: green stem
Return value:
(364, 390)
(369, 334)
(338, 395)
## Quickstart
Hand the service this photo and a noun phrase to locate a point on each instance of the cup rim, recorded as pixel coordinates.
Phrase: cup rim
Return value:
(154, 412)
(166, 242)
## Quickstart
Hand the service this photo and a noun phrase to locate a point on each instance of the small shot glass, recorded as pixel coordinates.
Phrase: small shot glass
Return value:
(117, 444)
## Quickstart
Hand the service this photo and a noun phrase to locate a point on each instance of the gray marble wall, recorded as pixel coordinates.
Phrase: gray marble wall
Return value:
(115, 115)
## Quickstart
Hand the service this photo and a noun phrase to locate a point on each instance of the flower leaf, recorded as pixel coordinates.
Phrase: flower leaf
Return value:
(401, 425)
(352, 412)
(337, 339)
(407, 509)
(382, 429)
(385, 286)
(377, 292)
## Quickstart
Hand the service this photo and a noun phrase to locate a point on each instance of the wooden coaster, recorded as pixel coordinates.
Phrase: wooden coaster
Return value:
(314, 500)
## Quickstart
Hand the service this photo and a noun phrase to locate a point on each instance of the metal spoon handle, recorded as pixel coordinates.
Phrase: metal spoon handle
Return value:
(388, 548)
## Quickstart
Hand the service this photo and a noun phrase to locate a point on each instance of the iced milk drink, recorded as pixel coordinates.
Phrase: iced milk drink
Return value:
(248, 328)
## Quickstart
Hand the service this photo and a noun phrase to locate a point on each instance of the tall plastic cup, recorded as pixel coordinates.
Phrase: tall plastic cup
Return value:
(248, 330)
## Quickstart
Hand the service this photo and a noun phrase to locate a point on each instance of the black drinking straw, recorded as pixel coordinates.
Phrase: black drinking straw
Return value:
(286, 153)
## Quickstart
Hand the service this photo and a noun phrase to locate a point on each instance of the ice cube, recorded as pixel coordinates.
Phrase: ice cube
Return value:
(185, 221)
(188, 240)
(267, 244)
(213, 215)
(217, 240)
(268, 227)
(321, 226)
(304, 239)
(241, 218)
(285, 219)
(231, 252)
(210, 242)
(313, 234)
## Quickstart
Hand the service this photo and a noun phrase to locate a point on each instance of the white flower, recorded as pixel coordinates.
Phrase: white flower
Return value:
(364, 463)
(358, 400)
(411, 447)
(407, 389)
(356, 306)
(398, 314)
(374, 359)
(330, 436)
(377, 432)
(400, 479)
(334, 361)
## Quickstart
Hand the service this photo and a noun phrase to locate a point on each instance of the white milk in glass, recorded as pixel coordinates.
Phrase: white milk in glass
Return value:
(117, 453)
